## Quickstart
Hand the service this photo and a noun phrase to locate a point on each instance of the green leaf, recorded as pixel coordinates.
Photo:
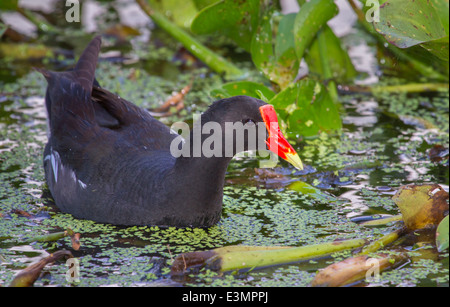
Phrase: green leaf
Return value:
(235, 19)
(340, 64)
(201, 4)
(442, 9)
(312, 16)
(247, 88)
(406, 23)
(442, 235)
(307, 108)
(179, 12)
(9, 5)
(276, 57)
(438, 47)
(210, 58)
(285, 42)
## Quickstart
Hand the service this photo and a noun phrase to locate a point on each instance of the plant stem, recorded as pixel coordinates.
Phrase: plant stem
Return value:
(411, 88)
(39, 23)
(383, 221)
(407, 88)
(48, 237)
(214, 61)
(236, 260)
(382, 242)
(239, 257)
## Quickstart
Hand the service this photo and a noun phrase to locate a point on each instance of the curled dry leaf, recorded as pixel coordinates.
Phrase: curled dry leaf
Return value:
(21, 212)
(74, 237)
(422, 205)
(356, 269)
(28, 276)
(191, 260)
(174, 101)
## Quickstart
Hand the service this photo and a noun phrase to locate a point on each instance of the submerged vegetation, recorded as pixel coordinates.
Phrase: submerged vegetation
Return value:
(369, 136)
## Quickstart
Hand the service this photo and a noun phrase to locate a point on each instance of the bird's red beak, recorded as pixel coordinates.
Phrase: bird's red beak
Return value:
(276, 141)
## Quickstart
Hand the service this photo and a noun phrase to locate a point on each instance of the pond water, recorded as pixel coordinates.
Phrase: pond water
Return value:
(385, 143)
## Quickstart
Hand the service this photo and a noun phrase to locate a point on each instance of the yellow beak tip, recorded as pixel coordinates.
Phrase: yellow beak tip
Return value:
(294, 159)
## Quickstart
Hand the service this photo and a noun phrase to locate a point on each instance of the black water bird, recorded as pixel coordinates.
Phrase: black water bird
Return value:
(109, 161)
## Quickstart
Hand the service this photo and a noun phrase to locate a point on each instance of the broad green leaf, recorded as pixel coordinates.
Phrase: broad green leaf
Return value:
(235, 19)
(262, 45)
(179, 12)
(246, 88)
(201, 4)
(340, 63)
(438, 47)
(406, 23)
(442, 9)
(296, 94)
(307, 108)
(285, 42)
(275, 56)
(312, 16)
(8, 5)
(442, 235)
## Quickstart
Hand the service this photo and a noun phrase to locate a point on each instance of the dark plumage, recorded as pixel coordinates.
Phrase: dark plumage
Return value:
(109, 161)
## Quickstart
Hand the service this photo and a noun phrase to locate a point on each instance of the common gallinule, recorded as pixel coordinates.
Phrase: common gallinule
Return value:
(110, 161)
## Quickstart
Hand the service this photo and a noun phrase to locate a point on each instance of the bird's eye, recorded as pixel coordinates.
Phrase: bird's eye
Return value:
(248, 121)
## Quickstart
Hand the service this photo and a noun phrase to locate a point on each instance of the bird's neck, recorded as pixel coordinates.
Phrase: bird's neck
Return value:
(203, 164)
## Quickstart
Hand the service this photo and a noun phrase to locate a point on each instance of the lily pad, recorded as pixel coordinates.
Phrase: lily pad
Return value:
(407, 23)
(442, 235)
